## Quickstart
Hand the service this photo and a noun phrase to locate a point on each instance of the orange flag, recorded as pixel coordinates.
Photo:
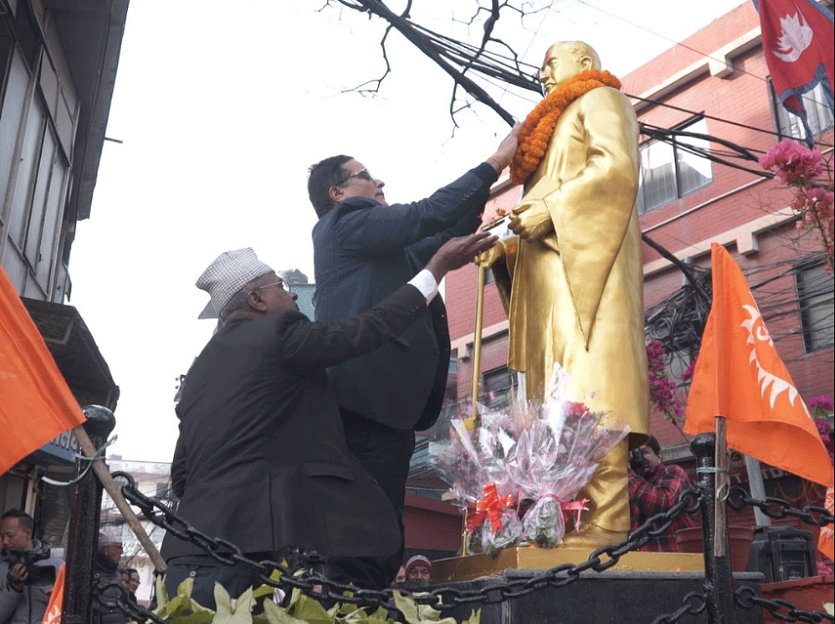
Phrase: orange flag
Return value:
(740, 376)
(52, 615)
(35, 403)
(826, 540)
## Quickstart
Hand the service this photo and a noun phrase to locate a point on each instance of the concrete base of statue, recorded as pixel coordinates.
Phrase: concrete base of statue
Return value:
(640, 588)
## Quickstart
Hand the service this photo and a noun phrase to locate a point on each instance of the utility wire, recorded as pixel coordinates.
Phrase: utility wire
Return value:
(714, 118)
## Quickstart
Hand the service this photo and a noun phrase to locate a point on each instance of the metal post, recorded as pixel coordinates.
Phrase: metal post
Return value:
(479, 326)
(718, 579)
(84, 526)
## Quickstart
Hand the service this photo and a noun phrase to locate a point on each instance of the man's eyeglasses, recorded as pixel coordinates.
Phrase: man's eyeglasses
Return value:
(280, 283)
(362, 174)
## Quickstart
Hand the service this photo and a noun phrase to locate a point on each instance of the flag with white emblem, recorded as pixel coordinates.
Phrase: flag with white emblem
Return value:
(739, 375)
(797, 38)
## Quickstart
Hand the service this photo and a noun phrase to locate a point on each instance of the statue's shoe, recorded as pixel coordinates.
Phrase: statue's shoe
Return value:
(592, 537)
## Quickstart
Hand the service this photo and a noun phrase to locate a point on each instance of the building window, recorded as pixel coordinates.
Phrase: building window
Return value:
(671, 170)
(497, 386)
(815, 296)
(818, 114)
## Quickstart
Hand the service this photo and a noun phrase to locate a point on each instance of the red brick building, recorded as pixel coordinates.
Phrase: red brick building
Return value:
(716, 83)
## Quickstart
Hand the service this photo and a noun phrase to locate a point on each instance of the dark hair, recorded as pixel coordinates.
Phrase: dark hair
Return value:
(653, 444)
(24, 520)
(324, 175)
(129, 571)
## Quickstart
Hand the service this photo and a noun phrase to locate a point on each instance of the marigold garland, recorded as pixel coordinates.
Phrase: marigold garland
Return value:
(539, 125)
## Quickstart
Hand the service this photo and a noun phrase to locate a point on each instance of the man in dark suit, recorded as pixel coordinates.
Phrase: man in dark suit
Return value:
(261, 460)
(363, 250)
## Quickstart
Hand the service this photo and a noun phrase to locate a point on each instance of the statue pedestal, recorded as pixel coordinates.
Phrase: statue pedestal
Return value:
(640, 588)
(480, 566)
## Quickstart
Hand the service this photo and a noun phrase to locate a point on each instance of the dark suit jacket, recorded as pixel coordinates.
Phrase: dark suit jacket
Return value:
(362, 252)
(261, 459)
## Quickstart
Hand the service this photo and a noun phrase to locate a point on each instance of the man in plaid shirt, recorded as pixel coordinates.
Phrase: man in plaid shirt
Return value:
(654, 489)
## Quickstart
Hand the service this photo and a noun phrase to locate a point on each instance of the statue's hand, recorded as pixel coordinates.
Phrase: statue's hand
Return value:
(531, 220)
(490, 257)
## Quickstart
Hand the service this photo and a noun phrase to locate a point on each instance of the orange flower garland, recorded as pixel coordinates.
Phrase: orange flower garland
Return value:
(540, 123)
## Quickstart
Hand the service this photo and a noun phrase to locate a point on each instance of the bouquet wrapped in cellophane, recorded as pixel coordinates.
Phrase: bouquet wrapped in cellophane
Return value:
(518, 471)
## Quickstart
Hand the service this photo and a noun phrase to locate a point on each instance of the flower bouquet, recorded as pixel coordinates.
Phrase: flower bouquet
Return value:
(518, 471)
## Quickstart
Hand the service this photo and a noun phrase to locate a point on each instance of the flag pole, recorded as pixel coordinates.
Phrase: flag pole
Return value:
(757, 487)
(115, 493)
(720, 542)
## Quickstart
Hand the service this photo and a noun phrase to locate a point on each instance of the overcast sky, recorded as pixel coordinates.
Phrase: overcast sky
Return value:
(221, 107)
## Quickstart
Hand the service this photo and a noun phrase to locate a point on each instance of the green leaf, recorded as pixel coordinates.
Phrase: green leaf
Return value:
(263, 590)
(380, 616)
(186, 587)
(358, 616)
(277, 615)
(161, 592)
(407, 607)
(311, 611)
(242, 613)
(223, 615)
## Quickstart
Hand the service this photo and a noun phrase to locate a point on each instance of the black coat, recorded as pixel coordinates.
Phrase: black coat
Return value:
(362, 252)
(261, 459)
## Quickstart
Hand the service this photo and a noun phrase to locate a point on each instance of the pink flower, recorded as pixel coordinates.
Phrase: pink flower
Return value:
(823, 402)
(575, 410)
(687, 375)
(792, 163)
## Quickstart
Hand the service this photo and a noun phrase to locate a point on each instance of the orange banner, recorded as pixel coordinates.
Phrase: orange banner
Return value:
(52, 615)
(826, 541)
(740, 376)
(35, 403)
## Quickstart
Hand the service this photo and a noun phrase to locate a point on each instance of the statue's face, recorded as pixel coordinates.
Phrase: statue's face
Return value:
(559, 65)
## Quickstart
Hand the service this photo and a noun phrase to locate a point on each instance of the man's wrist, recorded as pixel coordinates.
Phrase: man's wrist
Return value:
(498, 165)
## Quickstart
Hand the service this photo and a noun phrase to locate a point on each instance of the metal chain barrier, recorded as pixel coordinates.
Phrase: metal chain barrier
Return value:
(439, 597)
(746, 597)
(693, 604)
(124, 603)
(777, 508)
(303, 576)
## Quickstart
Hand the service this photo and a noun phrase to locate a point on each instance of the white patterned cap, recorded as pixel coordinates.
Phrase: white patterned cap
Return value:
(110, 536)
(231, 271)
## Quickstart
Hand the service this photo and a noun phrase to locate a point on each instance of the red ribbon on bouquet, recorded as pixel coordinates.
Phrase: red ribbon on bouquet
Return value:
(490, 507)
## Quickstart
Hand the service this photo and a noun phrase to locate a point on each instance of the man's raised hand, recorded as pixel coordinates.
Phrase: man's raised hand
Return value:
(457, 252)
(506, 150)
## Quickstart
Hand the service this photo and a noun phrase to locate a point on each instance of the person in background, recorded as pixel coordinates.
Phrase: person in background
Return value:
(418, 569)
(106, 575)
(655, 487)
(27, 574)
(130, 577)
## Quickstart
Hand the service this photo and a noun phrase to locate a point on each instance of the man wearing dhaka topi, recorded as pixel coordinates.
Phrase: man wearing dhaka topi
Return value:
(571, 280)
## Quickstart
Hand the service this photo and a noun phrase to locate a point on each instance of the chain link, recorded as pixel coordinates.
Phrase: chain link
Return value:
(777, 508)
(693, 604)
(304, 577)
(747, 598)
(124, 603)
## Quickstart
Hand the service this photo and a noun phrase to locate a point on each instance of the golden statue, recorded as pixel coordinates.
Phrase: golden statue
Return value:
(572, 281)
